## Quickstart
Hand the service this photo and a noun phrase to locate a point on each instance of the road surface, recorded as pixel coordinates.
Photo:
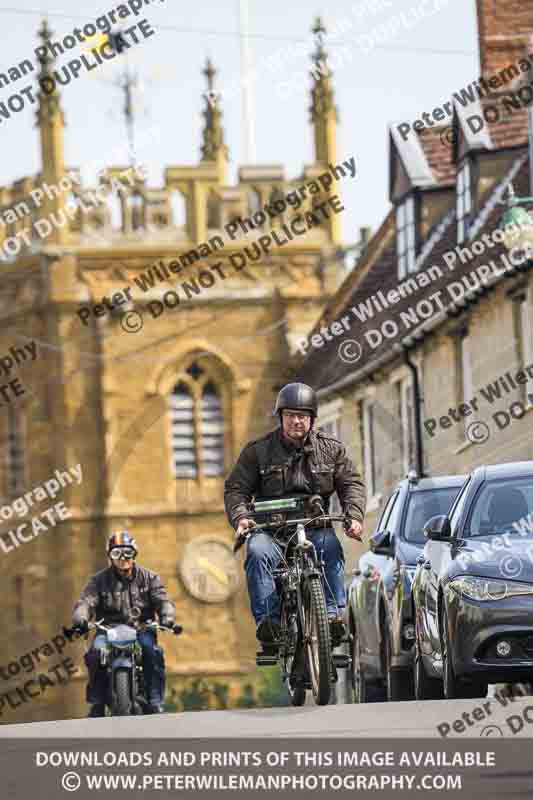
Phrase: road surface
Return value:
(481, 717)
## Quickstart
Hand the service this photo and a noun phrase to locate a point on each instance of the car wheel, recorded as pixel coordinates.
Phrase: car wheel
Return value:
(425, 687)
(399, 682)
(455, 687)
(364, 691)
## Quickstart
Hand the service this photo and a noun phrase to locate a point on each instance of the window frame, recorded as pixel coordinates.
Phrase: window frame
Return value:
(466, 530)
(385, 514)
(329, 417)
(196, 389)
(464, 375)
(406, 235)
(369, 455)
(525, 327)
(461, 498)
(463, 199)
(407, 423)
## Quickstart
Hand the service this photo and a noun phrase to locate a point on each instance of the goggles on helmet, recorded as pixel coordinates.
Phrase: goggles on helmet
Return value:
(122, 553)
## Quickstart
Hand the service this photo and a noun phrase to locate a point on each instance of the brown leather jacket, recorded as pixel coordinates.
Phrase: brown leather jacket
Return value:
(272, 467)
(124, 601)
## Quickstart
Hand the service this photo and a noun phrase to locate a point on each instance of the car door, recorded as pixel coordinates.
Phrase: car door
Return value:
(437, 557)
(375, 566)
(390, 572)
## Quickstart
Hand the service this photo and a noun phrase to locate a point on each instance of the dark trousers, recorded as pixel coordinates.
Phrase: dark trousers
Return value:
(153, 667)
(263, 555)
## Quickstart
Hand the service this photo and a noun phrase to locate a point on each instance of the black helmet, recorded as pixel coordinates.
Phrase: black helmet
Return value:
(297, 396)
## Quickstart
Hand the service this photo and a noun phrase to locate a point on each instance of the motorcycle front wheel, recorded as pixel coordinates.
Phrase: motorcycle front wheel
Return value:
(122, 696)
(317, 641)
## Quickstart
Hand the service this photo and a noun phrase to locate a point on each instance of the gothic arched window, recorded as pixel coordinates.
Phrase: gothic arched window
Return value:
(212, 434)
(197, 425)
(183, 434)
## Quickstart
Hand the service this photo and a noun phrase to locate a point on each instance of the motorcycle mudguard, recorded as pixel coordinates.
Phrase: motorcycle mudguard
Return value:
(122, 662)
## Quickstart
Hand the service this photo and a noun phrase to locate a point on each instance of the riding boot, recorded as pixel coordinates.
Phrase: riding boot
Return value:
(97, 710)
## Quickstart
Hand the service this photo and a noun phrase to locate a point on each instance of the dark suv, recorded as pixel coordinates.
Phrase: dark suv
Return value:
(379, 603)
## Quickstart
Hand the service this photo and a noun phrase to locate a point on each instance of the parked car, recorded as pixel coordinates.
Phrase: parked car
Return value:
(473, 593)
(379, 606)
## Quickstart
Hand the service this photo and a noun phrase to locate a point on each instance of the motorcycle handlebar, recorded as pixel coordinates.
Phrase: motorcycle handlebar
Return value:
(150, 624)
(344, 518)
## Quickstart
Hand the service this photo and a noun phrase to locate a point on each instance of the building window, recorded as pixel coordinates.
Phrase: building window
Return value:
(464, 373)
(524, 341)
(369, 449)
(405, 388)
(331, 428)
(16, 465)
(212, 433)
(197, 425)
(183, 439)
(406, 237)
(464, 200)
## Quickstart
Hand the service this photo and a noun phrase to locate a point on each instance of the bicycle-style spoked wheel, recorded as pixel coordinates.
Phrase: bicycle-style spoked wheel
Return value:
(317, 642)
(292, 659)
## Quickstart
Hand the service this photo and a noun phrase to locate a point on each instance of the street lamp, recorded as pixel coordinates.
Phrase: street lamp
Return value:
(517, 223)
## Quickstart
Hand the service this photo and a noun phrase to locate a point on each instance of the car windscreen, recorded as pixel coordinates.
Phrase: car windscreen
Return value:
(502, 506)
(424, 505)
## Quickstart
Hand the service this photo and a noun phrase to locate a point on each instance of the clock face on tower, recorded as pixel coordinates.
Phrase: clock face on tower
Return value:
(209, 570)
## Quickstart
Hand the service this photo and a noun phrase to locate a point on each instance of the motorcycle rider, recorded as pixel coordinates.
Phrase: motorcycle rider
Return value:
(289, 461)
(124, 593)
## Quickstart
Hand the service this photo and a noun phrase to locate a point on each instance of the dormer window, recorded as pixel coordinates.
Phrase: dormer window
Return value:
(406, 236)
(464, 200)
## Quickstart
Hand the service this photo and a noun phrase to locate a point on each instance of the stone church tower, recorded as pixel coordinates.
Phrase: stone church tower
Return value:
(159, 352)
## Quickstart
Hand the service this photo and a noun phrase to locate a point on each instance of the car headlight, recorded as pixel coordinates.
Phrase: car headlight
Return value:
(484, 589)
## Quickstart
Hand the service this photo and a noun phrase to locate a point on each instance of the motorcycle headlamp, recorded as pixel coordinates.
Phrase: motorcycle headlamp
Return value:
(122, 553)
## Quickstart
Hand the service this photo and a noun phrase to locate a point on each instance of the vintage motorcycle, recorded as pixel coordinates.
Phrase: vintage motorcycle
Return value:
(304, 648)
(122, 658)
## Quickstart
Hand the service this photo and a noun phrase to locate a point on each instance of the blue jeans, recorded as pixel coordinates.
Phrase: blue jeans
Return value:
(263, 555)
(153, 668)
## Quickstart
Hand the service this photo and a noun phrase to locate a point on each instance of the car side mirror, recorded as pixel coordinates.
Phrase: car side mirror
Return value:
(437, 528)
(382, 543)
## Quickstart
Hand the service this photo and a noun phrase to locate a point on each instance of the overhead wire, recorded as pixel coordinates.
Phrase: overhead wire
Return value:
(260, 36)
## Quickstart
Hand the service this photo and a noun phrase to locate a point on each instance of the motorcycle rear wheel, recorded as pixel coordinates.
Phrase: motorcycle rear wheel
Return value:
(292, 659)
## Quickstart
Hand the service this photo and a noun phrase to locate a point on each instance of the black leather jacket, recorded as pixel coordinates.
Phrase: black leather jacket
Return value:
(272, 467)
(124, 601)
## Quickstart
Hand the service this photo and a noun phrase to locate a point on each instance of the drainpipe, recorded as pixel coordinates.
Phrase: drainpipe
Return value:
(417, 401)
